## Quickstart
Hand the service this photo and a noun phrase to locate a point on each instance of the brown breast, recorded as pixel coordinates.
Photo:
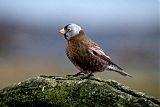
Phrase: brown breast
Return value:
(77, 52)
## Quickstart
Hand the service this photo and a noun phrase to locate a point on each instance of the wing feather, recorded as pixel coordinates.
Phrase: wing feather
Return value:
(98, 52)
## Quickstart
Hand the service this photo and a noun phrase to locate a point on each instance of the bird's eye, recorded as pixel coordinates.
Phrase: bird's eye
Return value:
(69, 29)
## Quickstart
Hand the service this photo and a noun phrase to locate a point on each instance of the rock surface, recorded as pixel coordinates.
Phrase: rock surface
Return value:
(57, 91)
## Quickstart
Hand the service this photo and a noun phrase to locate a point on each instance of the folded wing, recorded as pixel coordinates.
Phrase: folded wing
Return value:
(98, 52)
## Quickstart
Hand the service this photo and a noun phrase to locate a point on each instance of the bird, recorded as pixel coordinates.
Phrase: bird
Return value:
(85, 54)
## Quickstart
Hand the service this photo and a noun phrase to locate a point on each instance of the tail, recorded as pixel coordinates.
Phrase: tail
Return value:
(116, 68)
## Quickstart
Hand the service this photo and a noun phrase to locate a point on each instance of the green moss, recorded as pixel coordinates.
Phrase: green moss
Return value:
(72, 92)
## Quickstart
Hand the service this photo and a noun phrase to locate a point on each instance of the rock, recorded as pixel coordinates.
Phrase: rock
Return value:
(57, 91)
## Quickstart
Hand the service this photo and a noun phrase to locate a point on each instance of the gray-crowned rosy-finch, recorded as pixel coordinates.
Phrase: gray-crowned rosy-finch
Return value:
(85, 54)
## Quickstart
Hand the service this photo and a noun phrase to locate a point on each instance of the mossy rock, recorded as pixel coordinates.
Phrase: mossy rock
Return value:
(57, 91)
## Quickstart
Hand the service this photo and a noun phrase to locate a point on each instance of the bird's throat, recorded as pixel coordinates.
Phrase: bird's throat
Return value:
(65, 36)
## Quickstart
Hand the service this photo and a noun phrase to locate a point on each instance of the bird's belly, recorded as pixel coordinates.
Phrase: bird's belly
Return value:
(95, 65)
(88, 64)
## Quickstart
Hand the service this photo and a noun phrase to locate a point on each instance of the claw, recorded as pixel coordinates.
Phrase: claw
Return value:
(87, 76)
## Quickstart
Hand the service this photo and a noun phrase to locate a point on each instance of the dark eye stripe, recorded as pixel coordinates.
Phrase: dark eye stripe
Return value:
(66, 26)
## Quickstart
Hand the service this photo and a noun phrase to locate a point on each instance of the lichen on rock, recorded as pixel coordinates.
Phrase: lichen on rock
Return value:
(44, 91)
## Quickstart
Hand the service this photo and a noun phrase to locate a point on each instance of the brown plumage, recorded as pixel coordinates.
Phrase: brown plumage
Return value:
(85, 54)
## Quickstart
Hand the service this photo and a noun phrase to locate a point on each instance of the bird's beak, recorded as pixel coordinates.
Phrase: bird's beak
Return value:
(62, 31)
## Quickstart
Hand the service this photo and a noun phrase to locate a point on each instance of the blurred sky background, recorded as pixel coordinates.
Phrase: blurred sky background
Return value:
(128, 30)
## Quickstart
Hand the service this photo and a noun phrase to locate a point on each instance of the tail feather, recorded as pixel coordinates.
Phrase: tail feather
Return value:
(114, 67)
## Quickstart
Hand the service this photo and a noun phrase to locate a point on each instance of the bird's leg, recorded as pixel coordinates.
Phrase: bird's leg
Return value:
(87, 76)
(77, 74)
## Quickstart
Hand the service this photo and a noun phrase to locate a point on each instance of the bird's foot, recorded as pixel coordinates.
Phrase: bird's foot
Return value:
(46, 76)
(87, 76)
(76, 75)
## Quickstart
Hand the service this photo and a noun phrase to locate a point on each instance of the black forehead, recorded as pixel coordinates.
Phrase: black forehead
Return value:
(66, 26)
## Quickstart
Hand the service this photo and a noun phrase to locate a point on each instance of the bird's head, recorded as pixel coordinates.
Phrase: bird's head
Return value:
(70, 30)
